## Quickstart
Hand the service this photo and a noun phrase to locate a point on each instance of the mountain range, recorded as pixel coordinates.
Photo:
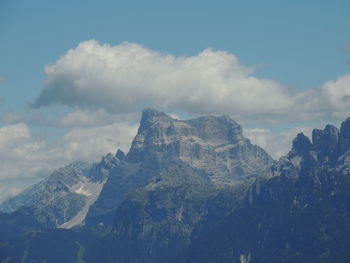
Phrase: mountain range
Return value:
(189, 191)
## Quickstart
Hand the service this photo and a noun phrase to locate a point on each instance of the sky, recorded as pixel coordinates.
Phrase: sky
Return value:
(75, 75)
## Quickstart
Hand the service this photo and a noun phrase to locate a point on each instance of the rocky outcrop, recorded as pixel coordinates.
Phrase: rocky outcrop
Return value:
(302, 214)
(166, 204)
(91, 194)
(158, 220)
(293, 216)
(57, 200)
(329, 150)
(213, 144)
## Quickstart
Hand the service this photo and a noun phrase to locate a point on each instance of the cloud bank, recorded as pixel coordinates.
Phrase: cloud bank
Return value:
(24, 156)
(276, 144)
(128, 77)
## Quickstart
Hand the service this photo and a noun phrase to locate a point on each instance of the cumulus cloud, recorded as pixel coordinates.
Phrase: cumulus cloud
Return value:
(127, 77)
(16, 148)
(27, 117)
(88, 118)
(276, 144)
(91, 143)
(331, 101)
(25, 157)
(6, 192)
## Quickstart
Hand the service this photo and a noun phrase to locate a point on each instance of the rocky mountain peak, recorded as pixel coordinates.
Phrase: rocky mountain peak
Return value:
(216, 128)
(325, 140)
(345, 126)
(344, 140)
(157, 129)
(109, 161)
(120, 155)
(213, 143)
(301, 144)
(100, 171)
(151, 116)
(330, 148)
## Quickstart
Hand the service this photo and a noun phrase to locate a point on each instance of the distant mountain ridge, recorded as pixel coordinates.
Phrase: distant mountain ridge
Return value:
(69, 174)
(301, 214)
(214, 144)
(329, 149)
(197, 191)
(56, 201)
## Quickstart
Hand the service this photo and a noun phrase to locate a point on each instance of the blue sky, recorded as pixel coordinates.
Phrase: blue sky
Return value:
(298, 46)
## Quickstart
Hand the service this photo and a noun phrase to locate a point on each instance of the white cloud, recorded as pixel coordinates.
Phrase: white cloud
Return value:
(175, 116)
(16, 147)
(24, 156)
(6, 192)
(127, 77)
(331, 101)
(276, 144)
(27, 117)
(11, 117)
(337, 94)
(88, 118)
(91, 143)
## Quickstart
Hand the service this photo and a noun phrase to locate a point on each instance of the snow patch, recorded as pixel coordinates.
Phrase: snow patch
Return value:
(245, 258)
(91, 190)
(82, 191)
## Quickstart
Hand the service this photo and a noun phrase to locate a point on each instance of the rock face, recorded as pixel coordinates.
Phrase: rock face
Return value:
(120, 177)
(70, 175)
(304, 219)
(91, 194)
(215, 145)
(166, 203)
(158, 220)
(61, 200)
(329, 150)
(300, 215)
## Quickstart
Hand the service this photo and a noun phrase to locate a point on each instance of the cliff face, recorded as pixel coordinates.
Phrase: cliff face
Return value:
(328, 150)
(302, 214)
(297, 215)
(178, 196)
(59, 198)
(214, 145)
(90, 193)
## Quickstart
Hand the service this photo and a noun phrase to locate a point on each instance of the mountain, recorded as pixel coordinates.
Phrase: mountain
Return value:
(214, 144)
(178, 196)
(302, 214)
(157, 221)
(91, 193)
(61, 200)
(70, 174)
